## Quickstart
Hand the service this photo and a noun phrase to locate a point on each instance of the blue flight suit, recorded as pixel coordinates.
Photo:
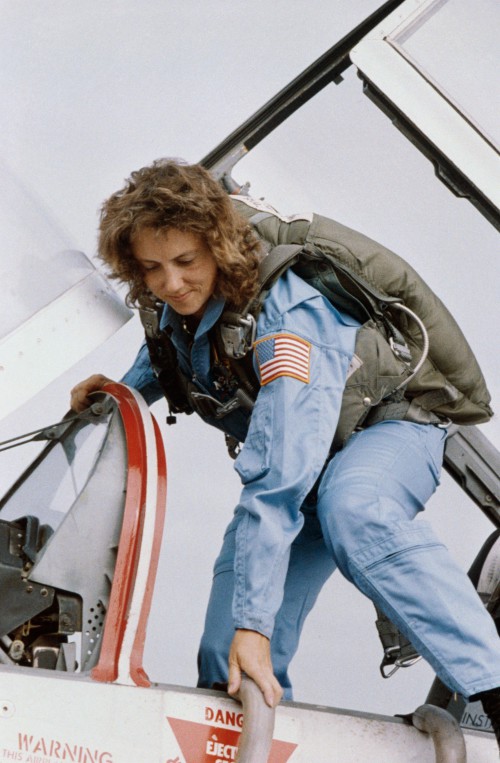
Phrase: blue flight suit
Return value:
(298, 520)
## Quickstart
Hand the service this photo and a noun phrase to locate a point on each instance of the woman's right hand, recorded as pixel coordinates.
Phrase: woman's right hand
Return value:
(79, 400)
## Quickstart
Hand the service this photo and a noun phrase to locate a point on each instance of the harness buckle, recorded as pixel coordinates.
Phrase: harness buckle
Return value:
(391, 658)
(207, 405)
(398, 651)
(150, 319)
(233, 446)
(400, 349)
(237, 334)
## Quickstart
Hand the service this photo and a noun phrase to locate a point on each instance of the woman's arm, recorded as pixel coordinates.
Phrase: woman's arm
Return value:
(288, 442)
(140, 376)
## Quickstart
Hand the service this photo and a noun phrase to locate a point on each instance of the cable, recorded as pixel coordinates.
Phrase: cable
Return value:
(425, 336)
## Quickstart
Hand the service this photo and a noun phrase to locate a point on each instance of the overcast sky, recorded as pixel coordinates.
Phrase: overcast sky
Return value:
(91, 91)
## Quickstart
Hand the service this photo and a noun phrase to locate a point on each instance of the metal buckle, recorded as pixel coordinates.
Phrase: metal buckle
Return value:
(401, 351)
(399, 662)
(238, 336)
(210, 406)
(444, 424)
(150, 319)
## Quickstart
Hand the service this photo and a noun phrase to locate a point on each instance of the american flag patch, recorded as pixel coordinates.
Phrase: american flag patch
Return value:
(283, 355)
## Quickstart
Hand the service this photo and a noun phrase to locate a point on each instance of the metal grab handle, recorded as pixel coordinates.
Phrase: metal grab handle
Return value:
(258, 724)
(445, 731)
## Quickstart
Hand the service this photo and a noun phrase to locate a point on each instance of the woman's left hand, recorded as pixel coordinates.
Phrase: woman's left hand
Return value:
(251, 653)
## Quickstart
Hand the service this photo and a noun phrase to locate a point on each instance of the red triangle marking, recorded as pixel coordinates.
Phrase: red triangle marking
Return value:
(201, 743)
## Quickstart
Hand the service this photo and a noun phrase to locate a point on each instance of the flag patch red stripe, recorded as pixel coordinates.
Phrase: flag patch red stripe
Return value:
(283, 355)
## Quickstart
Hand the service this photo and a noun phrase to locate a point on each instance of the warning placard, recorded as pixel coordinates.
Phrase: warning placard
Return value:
(202, 743)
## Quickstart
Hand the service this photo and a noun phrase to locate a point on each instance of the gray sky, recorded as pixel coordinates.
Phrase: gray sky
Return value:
(93, 90)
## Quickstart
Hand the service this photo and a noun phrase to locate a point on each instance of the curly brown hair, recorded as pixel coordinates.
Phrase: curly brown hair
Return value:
(168, 194)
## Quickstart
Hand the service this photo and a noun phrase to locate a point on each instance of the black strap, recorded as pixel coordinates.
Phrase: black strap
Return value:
(398, 651)
(165, 365)
(164, 361)
(403, 410)
(274, 264)
(279, 259)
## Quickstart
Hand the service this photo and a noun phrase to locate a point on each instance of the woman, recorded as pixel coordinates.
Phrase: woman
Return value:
(174, 233)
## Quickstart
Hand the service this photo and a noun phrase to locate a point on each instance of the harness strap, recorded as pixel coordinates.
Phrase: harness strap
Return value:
(271, 267)
(436, 397)
(398, 651)
(283, 255)
(164, 362)
(404, 410)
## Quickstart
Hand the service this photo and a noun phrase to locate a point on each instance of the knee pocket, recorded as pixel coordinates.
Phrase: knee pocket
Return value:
(412, 540)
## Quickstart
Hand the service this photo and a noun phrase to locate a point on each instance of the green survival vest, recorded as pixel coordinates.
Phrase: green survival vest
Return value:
(391, 301)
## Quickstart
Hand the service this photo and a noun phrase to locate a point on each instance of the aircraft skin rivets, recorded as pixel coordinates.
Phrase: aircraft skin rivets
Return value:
(7, 708)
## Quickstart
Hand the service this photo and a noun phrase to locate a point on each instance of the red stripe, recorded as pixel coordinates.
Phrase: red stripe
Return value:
(273, 366)
(291, 358)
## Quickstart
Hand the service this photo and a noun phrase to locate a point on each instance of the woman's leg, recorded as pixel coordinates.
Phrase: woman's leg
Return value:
(367, 503)
(310, 566)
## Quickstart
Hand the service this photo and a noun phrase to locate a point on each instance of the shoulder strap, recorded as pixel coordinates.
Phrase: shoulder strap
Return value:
(271, 267)
(164, 362)
(279, 259)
